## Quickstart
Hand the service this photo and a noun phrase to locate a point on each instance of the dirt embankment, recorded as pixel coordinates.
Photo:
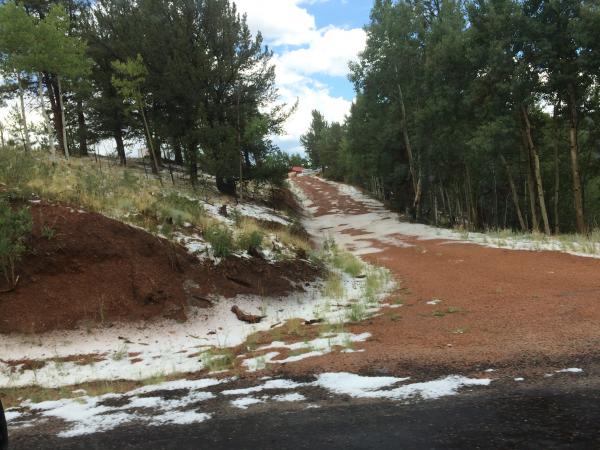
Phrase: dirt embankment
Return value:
(87, 269)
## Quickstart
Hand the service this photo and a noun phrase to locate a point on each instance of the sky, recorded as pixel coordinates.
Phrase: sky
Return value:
(313, 42)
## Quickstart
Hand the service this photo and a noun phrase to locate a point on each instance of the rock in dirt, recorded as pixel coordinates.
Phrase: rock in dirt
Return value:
(256, 252)
(244, 317)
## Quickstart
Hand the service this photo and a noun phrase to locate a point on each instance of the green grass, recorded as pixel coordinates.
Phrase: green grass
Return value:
(220, 238)
(217, 360)
(334, 286)
(356, 313)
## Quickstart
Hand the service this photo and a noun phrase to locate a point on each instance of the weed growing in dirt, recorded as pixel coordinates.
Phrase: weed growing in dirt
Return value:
(450, 310)
(16, 170)
(251, 239)
(356, 313)
(221, 239)
(48, 232)
(295, 327)
(334, 286)
(14, 227)
(332, 327)
(342, 260)
(218, 360)
(120, 354)
(348, 263)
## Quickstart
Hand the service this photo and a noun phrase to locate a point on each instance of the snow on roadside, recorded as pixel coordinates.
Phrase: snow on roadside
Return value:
(140, 351)
(380, 224)
(371, 387)
(85, 414)
(316, 347)
(570, 370)
(186, 403)
(245, 209)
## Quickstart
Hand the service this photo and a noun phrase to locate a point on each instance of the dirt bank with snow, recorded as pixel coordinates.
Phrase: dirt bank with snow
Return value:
(84, 269)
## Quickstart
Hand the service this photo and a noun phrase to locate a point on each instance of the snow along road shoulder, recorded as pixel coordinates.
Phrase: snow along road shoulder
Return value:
(195, 401)
(357, 231)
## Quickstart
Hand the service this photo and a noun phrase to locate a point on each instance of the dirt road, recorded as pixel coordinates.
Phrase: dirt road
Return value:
(464, 305)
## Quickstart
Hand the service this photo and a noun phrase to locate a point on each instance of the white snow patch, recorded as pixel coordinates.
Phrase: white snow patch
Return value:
(370, 387)
(570, 370)
(382, 225)
(519, 379)
(180, 418)
(85, 415)
(245, 402)
(292, 397)
(12, 415)
(270, 384)
(317, 347)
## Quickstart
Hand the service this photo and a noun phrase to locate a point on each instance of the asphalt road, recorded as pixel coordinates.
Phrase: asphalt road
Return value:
(531, 419)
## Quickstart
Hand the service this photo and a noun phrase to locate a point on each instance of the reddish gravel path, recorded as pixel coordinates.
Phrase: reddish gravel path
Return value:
(500, 308)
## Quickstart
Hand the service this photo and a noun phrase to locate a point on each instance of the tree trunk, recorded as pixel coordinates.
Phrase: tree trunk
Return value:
(515, 195)
(574, 152)
(192, 161)
(225, 185)
(62, 118)
(535, 159)
(46, 118)
(556, 172)
(177, 152)
(155, 166)
(530, 186)
(118, 135)
(81, 129)
(23, 114)
(52, 90)
(416, 182)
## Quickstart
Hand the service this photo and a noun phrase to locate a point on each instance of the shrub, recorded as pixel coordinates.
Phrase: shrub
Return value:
(297, 229)
(14, 226)
(250, 239)
(16, 169)
(334, 286)
(348, 263)
(221, 240)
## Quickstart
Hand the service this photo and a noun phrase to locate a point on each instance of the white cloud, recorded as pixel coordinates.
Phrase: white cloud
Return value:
(326, 51)
(311, 96)
(282, 22)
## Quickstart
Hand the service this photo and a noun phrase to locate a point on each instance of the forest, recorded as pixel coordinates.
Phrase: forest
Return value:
(186, 80)
(479, 114)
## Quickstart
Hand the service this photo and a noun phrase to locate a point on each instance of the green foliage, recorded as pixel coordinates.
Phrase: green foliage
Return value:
(48, 232)
(16, 170)
(14, 227)
(347, 262)
(452, 102)
(218, 360)
(129, 78)
(221, 240)
(334, 286)
(250, 239)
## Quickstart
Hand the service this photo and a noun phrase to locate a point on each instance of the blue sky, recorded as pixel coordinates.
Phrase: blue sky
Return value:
(313, 41)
